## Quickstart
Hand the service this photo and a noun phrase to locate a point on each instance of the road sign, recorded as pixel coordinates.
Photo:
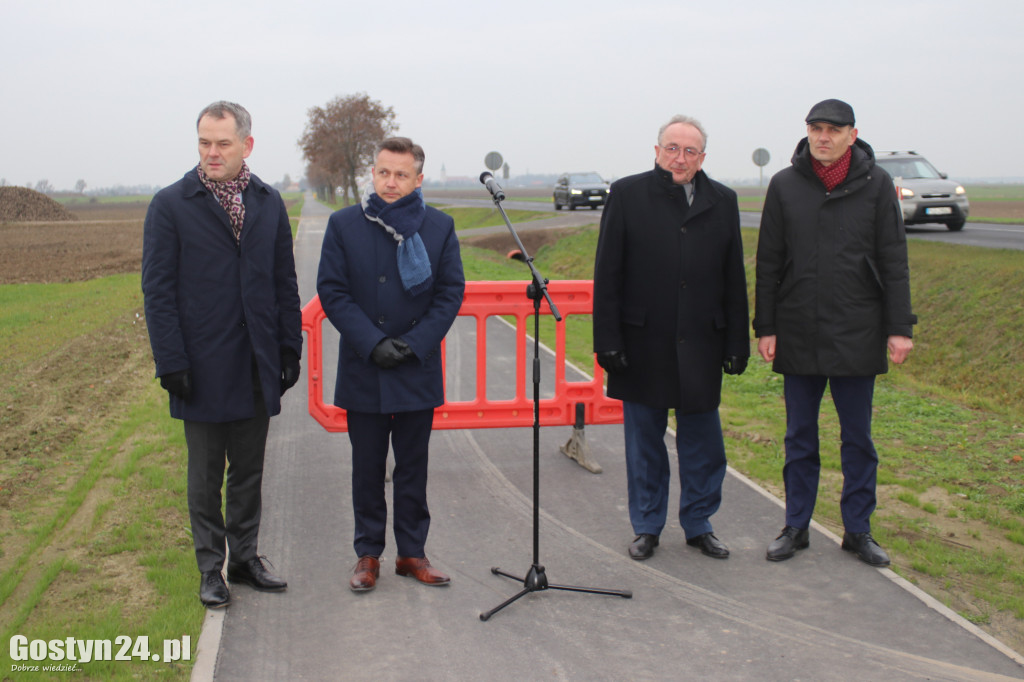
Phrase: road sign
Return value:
(761, 158)
(493, 161)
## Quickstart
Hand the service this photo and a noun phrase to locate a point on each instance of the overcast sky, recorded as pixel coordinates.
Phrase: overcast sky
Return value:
(108, 92)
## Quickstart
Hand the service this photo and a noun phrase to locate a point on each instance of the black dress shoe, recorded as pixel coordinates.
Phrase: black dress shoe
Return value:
(212, 590)
(643, 546)
(866, 548)
(709, 545)
(256, 575)
(789, 541)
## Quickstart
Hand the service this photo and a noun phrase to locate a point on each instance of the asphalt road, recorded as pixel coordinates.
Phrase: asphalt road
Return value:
(823, 615)
(988, 235)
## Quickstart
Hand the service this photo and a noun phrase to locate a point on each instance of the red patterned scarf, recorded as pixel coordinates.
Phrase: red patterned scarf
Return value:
(229, 195)
(835, 172)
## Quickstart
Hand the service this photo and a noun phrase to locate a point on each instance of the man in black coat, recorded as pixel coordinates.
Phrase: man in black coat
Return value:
(832, 296)
(670, 313)
(222, 309)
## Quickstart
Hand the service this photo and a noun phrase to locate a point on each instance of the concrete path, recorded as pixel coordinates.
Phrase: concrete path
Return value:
(823, 615)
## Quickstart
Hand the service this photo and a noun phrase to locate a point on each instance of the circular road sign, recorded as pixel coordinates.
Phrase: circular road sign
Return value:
(493, 161)
(761, 156)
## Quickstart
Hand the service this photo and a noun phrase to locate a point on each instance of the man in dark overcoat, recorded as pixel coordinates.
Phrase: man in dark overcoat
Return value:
(832, 296)
(222, 309)
(391, 282)
(670, 314)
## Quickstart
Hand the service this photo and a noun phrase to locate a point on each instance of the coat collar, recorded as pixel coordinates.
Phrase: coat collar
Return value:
(193, 185)
(255, 193)
(861, 163)
(705, 194)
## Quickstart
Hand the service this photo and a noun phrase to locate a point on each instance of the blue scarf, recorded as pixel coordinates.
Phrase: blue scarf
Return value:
(402, 219)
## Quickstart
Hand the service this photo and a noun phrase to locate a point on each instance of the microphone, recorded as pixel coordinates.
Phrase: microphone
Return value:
(492, 186)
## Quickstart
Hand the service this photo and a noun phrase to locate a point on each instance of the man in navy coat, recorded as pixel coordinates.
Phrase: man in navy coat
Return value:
(222, 308)
(391, 282)
(670, 315)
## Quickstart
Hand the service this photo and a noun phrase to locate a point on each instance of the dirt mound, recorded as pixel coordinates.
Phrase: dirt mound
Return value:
(20, 204)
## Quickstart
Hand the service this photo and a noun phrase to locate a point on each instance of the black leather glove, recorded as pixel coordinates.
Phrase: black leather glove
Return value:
(388, 353)
(289, 369)
(734, 364)
(612, 361)
(404, 349)
(178, 384)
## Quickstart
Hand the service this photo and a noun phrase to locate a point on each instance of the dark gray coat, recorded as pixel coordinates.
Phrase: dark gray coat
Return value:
(217, 307)
(670, 290)
(832, 276)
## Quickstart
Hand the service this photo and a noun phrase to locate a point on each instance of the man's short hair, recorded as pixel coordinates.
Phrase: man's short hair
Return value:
(403, 145)
(222, 109)
(679, 118)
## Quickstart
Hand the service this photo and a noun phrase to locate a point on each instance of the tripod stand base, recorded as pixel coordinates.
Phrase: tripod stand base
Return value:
(536, 580)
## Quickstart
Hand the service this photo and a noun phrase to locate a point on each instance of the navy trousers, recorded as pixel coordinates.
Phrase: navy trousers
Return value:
(409, 435)
(852, 397)
(701, 453)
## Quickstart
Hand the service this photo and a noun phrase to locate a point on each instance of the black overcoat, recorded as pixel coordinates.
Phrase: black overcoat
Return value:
(670, 290)
(832, 280)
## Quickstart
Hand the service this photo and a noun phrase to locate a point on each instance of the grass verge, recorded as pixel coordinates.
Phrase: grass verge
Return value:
(92, 479)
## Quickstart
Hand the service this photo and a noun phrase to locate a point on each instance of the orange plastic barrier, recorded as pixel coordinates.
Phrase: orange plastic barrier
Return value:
(483, 300)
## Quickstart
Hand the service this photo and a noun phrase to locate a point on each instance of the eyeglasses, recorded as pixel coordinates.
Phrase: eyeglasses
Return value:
(688, 152)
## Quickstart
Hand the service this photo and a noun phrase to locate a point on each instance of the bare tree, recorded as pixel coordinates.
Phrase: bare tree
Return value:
(80, 186)
(324, 182)
(340, 138)
(44, 187)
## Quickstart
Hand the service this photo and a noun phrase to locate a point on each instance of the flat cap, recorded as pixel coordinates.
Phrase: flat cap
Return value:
(834, 111)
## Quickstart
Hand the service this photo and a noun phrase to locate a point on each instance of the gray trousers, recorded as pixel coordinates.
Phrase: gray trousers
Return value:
(242, 445)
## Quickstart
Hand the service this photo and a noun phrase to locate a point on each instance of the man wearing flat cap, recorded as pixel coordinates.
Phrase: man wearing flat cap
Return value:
(832, 299)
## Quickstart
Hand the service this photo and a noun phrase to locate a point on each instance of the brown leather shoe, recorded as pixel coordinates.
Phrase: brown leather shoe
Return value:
(420, 568)
(364, 578)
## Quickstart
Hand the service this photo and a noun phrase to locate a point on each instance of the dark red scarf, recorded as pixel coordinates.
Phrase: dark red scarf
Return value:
(834, 173)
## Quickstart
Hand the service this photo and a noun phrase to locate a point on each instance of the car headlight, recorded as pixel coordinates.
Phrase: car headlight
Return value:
(960, 189)
(575, 191)
(906, 193)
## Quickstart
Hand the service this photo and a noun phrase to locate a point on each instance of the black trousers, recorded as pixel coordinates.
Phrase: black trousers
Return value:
(242, 445)
(409, 434)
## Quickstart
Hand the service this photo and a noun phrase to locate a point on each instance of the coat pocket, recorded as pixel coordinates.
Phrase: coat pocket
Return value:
(874, 274)
(636, 317)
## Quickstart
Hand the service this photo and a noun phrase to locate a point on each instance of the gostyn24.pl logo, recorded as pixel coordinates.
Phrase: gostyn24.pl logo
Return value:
(70, 651)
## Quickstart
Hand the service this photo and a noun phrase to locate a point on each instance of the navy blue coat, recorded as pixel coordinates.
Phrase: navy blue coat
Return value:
(670, 290)
(213, 305)
(362, 294)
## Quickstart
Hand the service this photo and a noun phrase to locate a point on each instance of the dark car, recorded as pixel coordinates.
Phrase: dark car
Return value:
(926, 195)
(580, 189)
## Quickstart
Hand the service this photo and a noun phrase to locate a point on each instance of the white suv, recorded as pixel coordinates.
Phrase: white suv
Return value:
(926, 195)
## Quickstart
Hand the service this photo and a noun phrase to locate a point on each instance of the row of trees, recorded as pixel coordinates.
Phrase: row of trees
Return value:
(339, 141)
(45, 187)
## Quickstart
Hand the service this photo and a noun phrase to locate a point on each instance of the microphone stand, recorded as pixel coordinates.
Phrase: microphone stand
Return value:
(536, 578)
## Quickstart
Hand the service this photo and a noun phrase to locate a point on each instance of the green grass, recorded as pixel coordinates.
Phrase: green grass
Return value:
(995, 192)
(296, 199)
(37, 318)
(470, 217)
(92, 478)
